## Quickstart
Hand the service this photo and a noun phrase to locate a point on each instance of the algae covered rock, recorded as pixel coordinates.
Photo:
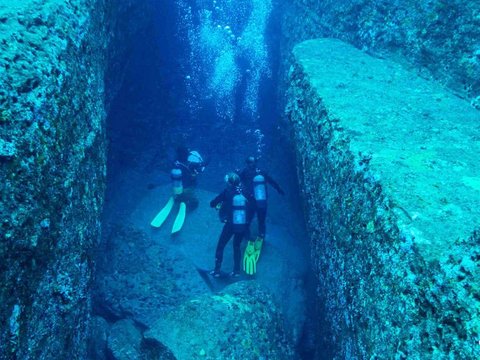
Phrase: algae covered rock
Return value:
(141, 279)
(386, 161)
(100, 330)
(52, 165)
(437, 37)
(7, 149)
(124, 340)
(242, 322)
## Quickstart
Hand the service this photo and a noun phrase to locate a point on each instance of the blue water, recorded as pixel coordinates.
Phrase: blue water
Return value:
(207, 73)
(203, 75)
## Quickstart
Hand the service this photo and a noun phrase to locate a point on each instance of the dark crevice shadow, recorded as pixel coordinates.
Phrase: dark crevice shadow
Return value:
(218, 284)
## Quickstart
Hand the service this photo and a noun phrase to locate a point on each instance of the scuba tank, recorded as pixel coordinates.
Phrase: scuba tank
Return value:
(239, 210)
(176, 176)
(260, 191)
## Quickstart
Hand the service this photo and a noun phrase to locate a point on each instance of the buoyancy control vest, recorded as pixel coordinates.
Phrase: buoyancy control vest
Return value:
(239, 213)
(177, 183)
(260, 191)
(196, 164)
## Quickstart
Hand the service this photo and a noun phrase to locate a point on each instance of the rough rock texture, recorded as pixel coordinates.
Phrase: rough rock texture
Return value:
(439, 36)
(128, 21)
(388, 166)
(141, 279)
(100, 330)
(52, 165)
(124, 340)
(242, 322)
(141, 91)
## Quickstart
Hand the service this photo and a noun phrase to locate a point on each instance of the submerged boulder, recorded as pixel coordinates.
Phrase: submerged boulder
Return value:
(125, 340)
(100, 330)
(242, 322)
(140, 278)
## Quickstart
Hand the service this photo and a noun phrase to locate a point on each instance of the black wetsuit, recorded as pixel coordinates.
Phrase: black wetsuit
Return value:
(246, 177)
(229, 229)
(189, 175)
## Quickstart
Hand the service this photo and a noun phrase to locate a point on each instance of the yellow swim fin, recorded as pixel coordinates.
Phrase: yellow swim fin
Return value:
(163, 214)
(258, 248)
(180, 219)
(249, 263)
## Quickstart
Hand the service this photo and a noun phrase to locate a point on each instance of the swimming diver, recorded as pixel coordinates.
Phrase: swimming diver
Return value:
(186, 167)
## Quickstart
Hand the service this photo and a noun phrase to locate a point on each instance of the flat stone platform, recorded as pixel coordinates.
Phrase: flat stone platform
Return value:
(423, 140)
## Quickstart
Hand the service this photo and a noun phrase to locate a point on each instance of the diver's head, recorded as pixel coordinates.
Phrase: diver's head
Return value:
(195, 162)
(251, 162)
(232, 179)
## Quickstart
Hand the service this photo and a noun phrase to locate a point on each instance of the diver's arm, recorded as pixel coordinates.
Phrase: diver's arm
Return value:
(218, 199)
(274, 184)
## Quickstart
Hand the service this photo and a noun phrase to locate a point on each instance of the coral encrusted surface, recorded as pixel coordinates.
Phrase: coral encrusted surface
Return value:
(387, 163)
(52, 166)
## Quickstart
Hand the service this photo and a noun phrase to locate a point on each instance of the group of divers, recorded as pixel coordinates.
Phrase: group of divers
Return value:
(244, 196)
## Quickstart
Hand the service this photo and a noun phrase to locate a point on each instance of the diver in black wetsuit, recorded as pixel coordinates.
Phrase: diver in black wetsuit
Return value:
(234, 214)
(255, 181)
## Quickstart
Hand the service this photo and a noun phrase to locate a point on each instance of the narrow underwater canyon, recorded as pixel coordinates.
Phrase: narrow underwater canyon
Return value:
(372, 130)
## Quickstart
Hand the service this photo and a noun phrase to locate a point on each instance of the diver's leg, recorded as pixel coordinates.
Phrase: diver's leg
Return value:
(190, 199)
(222, 241)
(237, 240)
(250, 216)
(262, 216)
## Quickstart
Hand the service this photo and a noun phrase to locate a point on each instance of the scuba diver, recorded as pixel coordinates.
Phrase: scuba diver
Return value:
(255, 181)
(186, 167)
(190, 163)
(233, 213)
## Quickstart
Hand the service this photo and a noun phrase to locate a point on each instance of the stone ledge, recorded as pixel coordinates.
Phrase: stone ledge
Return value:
(379, 296)
(420, 140)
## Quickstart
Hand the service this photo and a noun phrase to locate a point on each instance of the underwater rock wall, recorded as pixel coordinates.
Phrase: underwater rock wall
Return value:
(241, 322)
(52, 165)
(438, 36)
(141, 93)
(389, 190)
(127, 24)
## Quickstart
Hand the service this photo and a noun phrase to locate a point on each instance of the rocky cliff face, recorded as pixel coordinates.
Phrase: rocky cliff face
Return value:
(375, 281)
(52, 165)
(438, 38)
(386, 162)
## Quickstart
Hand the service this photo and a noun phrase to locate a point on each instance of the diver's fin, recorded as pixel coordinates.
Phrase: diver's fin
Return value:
(162, 215)
(249, 262)
(180, 219)
(217, 284)
(258, 248)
